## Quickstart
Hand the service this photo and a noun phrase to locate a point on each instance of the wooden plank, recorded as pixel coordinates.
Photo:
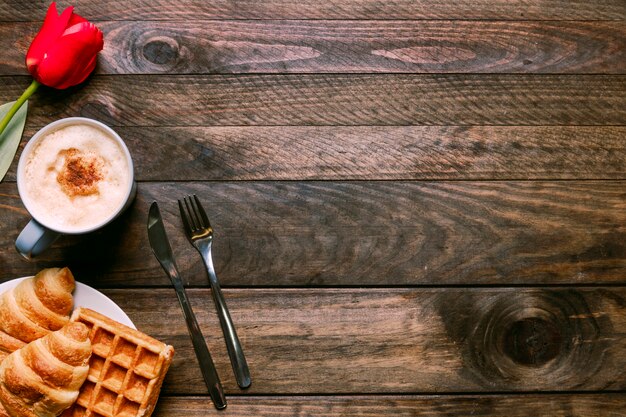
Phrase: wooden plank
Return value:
(333, 99)
(357, 233)
(292, 46)
(348, 341)
(580, 405)
(554, 405)
(374, 152)
(34, 10)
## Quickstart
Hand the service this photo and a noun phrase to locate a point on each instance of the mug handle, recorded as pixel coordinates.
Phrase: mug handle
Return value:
(34, 239)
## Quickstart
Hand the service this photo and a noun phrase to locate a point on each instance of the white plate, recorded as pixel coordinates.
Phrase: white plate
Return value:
(85, 296)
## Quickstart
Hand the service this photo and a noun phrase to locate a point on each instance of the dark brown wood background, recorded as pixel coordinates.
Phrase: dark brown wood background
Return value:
(419, 205)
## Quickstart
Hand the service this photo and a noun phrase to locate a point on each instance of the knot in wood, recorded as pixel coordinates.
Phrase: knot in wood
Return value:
(531, 339)
(161, 51)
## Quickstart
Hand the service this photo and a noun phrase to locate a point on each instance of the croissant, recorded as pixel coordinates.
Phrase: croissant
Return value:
(43, 378)
(35, 307)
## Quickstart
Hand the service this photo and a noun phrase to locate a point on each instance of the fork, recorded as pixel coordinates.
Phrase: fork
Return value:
(200, 234)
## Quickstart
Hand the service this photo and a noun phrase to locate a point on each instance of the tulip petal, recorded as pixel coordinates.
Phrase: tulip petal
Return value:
(52, 29)
(75, 19)
(72, 58)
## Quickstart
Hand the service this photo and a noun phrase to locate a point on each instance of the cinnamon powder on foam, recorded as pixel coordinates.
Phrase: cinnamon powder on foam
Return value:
(80, 173)
(73, 190)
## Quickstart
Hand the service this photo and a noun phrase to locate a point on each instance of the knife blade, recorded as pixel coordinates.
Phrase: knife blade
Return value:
(163, 252)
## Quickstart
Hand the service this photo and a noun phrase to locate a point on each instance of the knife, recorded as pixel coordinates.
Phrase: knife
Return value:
(163, 252)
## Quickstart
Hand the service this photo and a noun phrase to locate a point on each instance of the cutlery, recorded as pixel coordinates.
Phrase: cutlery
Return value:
(163, 252)
(200, 234)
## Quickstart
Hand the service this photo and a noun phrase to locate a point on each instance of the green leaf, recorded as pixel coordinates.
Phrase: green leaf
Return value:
(11, 137)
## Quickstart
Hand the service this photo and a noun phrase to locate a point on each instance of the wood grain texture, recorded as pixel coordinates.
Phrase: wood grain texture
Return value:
(333, 99)
(34, 10)
(373, 153)
(456, 168)
(553, 405)
(348, 341)
(357, 233)
(225, 47)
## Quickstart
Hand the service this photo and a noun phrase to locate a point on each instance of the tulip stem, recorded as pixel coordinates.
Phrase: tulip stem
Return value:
(16, 106)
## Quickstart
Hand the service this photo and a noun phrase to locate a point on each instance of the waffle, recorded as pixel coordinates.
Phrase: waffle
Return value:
(126, 370)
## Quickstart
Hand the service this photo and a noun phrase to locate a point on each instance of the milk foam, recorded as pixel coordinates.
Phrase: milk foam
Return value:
(46, 198)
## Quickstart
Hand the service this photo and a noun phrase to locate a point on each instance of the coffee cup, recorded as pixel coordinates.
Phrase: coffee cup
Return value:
(74, 177)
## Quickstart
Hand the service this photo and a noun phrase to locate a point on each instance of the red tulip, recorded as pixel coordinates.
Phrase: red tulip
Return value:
(64, 51)
(62, 54)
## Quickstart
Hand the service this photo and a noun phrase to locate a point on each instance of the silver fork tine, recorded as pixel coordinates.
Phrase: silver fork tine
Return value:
(196, 215)
(203, 215)
(189, 212)
(184, 217)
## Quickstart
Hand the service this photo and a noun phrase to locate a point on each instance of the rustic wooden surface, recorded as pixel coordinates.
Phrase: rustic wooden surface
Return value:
(375, 152)
(419, 205)
(334, 99)
(359, 233)
(348, 341)
(34, 10)
(555, 405)
(146, 47)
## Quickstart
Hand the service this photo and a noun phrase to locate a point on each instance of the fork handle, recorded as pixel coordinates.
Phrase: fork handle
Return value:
(235, 352)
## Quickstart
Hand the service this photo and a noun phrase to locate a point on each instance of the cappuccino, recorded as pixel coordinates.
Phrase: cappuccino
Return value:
(75, 177)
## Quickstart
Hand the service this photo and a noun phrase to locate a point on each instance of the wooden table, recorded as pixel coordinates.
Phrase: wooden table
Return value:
(419, 206)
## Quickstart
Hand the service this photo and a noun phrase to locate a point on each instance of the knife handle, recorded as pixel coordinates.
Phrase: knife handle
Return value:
(209, 373)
